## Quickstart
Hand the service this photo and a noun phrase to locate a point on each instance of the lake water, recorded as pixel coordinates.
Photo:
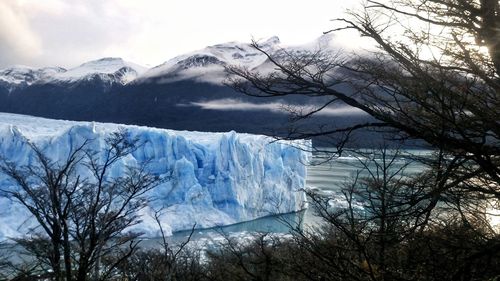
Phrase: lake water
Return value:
(326, 177)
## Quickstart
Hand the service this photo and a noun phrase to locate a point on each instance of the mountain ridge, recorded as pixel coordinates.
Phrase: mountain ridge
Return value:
(185, 93)
(229, 53)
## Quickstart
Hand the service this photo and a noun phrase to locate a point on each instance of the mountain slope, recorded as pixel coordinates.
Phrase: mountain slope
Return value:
(185, 92)
(109, 70)
(207, 65)
(112, 70)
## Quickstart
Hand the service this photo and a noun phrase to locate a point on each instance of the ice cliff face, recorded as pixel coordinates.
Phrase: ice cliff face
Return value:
(216, 178)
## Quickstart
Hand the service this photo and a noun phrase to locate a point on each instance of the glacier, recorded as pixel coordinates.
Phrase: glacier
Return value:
(216, 178)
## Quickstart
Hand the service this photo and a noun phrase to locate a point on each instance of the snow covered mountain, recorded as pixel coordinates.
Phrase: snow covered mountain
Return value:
(207, 65)
(183, 93)
(217, 178)
(23, 76)
(107, 70)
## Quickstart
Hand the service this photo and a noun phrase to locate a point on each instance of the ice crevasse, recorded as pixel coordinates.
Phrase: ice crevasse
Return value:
(215, 178)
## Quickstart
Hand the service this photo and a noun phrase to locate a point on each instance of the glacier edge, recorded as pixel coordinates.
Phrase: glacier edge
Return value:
(217, 178)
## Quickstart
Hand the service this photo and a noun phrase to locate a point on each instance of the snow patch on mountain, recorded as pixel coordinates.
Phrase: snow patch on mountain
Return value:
(205, 65)
(208, 64)
(216, 178)
(108, 69)
(18, 76)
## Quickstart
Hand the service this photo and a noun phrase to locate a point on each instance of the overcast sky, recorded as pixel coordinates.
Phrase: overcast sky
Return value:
(149, 32)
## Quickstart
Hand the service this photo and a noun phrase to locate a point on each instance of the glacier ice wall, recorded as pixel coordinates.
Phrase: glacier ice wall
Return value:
(216, 178)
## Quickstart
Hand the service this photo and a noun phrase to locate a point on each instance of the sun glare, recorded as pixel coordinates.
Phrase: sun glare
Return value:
(493, 216)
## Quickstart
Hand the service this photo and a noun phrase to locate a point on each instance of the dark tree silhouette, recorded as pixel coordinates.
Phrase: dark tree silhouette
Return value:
(82, 210)
(434, 77)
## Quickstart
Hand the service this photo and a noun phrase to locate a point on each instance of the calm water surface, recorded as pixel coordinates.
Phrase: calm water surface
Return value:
(327, 177)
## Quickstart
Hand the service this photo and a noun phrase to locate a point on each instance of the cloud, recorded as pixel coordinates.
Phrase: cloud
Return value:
(58, 32)
(68, 33)
(233, 104)
(18, 43)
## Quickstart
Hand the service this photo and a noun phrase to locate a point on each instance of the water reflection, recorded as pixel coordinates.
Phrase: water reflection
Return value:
(280, 224)
(326, 177)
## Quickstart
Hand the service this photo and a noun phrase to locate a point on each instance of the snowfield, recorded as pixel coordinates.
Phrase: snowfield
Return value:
(111, 70)
(205, 65)
(216, 178)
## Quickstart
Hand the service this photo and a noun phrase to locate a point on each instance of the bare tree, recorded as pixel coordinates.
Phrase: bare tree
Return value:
(434, 77)
(168, 261)
(4, 261)
(82, 210)
(373, 231)
(259, 259)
